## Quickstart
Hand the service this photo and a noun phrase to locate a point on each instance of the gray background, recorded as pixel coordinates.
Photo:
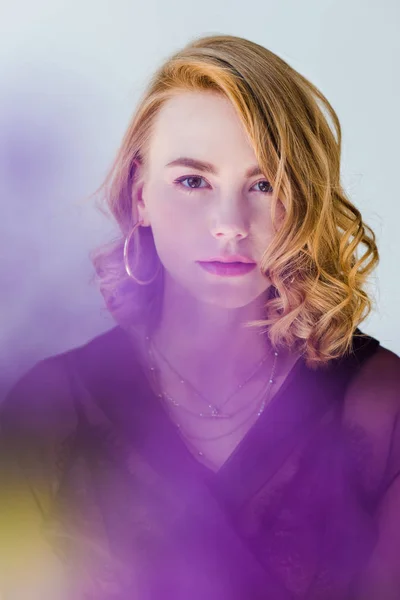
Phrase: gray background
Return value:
(71, 73)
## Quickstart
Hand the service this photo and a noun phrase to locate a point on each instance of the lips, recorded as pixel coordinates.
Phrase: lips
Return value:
(232, 258)
(226, 262)
(227, 269)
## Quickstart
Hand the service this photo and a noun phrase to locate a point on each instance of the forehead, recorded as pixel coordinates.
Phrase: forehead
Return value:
(200, 123)
(195, 106)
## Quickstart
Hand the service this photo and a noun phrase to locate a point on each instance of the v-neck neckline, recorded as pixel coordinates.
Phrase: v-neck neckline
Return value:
(246, 440)
(114, 375)
(208, 474)
(209, 501)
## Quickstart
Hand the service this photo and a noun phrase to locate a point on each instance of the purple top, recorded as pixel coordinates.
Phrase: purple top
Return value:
(131, 513)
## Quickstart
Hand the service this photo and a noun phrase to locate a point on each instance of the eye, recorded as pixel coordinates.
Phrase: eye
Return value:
(189, 178)
(268, 186)
(196, 178)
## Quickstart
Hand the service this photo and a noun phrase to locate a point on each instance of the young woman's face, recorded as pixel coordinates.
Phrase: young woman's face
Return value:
(197, 213)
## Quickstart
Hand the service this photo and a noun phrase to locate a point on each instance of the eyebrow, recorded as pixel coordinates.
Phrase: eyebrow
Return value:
(200, 165)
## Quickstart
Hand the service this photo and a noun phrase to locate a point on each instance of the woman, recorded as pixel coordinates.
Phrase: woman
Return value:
(235, 435)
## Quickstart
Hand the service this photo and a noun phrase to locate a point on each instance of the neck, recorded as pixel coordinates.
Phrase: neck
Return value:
(209, 344)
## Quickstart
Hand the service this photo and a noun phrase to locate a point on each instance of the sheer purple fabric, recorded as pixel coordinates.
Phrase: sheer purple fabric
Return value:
(131, 513)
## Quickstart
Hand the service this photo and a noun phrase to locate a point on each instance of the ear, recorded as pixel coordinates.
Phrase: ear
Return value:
(137, 195)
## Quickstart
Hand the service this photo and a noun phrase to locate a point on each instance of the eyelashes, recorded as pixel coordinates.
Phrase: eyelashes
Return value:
(179, 182)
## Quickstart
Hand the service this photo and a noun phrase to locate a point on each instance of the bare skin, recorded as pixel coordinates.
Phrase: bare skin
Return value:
(205, 215)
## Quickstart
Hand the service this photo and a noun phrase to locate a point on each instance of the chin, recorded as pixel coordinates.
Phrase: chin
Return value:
(229, 298)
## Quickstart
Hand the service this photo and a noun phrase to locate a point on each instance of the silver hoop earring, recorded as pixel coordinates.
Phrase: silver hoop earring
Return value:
(126, 258)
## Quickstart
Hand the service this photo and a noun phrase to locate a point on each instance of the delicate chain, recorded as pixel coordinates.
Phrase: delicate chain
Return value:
(263, 393)
(215, 411)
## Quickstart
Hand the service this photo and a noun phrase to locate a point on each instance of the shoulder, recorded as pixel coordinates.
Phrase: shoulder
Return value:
(42, 399)
(38, 396)
(376, 384)
(371, 417)
(39, 423)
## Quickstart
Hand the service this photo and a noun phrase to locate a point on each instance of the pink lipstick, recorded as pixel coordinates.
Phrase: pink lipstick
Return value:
(227, 269)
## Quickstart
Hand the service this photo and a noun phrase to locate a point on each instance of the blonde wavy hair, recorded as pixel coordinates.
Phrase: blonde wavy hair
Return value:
(318, 240)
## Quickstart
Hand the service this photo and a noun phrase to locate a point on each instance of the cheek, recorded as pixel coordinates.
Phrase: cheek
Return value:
(173, 217)
(263, 220)
(280, 213)
(173, 235)
(262, 232)
(167, 208)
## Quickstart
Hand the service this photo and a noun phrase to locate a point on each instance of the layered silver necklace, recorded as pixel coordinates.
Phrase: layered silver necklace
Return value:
(211, 411)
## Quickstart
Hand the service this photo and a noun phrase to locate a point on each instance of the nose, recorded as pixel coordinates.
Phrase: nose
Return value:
(229, 223)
